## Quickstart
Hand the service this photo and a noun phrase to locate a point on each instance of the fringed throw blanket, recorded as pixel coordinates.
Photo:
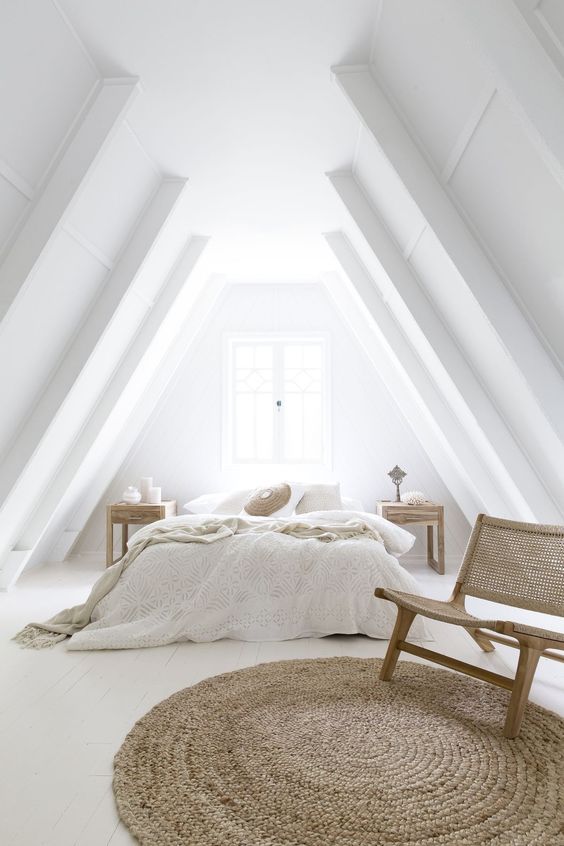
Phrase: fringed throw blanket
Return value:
(181, 530)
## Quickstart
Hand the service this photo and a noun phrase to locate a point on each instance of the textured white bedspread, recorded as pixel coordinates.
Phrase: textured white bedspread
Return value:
(267, 586)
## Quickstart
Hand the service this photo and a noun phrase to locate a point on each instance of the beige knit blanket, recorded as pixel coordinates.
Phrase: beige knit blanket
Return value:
(71, 620)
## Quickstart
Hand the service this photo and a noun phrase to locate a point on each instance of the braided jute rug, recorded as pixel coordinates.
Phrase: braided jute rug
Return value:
(321, 753)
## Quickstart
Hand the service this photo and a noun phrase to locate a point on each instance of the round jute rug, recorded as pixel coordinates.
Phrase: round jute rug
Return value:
(321, 753)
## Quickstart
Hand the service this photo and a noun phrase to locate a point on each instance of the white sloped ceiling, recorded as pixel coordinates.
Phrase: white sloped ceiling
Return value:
(432, 159)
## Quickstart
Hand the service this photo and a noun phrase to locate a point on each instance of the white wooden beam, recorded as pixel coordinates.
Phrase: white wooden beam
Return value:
(547, 36)
(89, 408)
(426, 362)
(104, 336)
(102, 117)
(521, 377)
(177, 319)
(437, 349)
(542, 380)
(83, 494)
(521, 71)
(360, 305)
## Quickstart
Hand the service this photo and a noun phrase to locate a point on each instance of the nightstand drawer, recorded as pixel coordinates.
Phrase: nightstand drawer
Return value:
(410, 515)
(148, 514)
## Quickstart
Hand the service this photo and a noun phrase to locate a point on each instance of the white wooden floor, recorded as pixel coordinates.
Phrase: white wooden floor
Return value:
(64, 714)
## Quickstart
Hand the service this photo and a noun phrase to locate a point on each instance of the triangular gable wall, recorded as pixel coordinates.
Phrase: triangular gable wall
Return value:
(182, 444)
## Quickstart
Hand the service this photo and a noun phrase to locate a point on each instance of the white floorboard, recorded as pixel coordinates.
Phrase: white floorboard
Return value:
(63, 715)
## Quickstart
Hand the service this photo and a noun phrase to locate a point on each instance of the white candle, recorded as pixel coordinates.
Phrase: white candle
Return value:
(154, 496)
(145, 487)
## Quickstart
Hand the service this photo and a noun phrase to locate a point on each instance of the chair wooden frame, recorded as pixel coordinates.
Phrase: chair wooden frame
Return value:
(533, 643)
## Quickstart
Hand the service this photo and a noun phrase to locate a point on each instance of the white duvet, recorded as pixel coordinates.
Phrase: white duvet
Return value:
(254, 587)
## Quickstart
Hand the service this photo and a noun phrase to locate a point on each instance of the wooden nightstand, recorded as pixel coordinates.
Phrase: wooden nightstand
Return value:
(132, 515)
(429, 514)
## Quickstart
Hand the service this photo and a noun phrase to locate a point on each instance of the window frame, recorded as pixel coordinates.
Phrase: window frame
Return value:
(228, 457)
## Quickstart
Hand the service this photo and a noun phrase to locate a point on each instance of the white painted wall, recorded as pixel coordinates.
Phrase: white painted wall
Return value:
(181, 447)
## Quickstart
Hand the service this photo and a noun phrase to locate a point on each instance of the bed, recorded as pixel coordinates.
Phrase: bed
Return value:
(257, 585)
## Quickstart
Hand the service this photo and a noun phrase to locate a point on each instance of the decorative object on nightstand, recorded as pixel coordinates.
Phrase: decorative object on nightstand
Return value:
(429, 514)
(397, 475)
(131, 495)
(154, 496)
(145, 486)
(132, 515)
(413, 498)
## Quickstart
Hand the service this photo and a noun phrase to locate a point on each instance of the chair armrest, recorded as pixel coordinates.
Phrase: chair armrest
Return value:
(379, 592)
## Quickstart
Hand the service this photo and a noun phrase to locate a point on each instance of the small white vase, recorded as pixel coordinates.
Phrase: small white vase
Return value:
(131, 495)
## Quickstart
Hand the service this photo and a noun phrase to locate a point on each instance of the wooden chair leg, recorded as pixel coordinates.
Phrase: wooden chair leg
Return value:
(528, 660)
(403, 623)
(481, 639)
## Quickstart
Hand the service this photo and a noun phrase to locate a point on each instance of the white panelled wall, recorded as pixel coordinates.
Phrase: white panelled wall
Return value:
(181, 447)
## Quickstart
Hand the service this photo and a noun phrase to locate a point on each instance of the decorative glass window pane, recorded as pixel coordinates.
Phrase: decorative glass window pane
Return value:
(277, 401)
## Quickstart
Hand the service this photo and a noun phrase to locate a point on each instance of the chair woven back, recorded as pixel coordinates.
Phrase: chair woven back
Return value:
(520, 564)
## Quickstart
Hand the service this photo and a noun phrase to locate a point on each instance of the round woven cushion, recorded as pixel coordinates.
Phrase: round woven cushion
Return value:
(268, 500)
(321, 753)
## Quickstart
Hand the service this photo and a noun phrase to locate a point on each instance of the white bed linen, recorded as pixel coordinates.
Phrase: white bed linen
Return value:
(254, 587)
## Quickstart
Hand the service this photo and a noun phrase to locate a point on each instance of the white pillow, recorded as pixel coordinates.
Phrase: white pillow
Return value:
(352, 504)
(320, 498)
(224, 502)
(296, 493)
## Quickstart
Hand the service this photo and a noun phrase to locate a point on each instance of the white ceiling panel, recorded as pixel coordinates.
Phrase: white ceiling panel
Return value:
(427, 65)
(45, 318)
(387, 193)
(551, 14)
(116, 192)
(238, 97)
(518, 208)
(45, 77)
(12, 204)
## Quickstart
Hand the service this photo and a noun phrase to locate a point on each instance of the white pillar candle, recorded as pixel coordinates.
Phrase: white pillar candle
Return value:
(145, 487)
(154, 496)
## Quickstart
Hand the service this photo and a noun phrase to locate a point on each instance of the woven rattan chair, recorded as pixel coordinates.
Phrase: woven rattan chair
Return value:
(519, 564)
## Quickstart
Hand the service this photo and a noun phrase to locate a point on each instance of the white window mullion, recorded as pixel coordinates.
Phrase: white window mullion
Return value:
(263, 370)
(278, 411)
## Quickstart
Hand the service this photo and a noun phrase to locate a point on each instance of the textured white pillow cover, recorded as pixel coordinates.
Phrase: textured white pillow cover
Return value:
(232, 502)
(320, 498)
